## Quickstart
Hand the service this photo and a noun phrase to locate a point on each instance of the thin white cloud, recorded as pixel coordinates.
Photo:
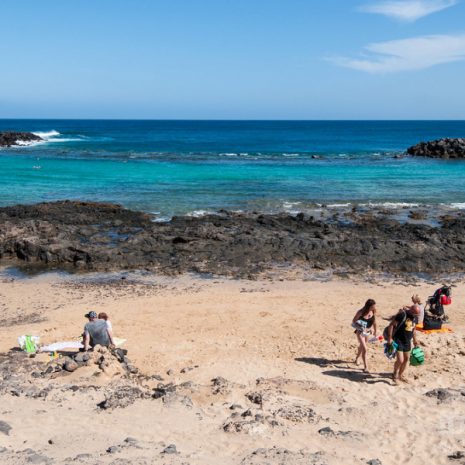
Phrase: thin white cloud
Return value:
(407, 54)
(408, 10)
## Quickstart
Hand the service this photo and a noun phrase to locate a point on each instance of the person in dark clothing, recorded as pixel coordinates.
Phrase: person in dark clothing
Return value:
(364, 323)
(402, 332)
(96, 332)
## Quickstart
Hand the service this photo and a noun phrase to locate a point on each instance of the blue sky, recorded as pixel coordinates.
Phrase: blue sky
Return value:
(233, 59)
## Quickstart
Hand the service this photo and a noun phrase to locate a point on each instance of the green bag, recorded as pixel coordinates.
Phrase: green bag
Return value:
(417, 357)
(28, 343)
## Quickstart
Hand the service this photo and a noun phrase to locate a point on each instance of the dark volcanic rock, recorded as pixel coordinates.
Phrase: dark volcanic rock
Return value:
(5, 428)
(446, 395)
(122, 397)
(171, 449)
(101, 237)
(442, 148)
(281, 456)
(7, 139)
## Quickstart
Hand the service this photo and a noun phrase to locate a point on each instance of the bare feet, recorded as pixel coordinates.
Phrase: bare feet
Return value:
(366, 370)
(395, 379)
(356, 361)
(404, 379)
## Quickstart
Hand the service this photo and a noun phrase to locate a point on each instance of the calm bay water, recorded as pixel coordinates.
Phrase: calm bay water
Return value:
(174, 167)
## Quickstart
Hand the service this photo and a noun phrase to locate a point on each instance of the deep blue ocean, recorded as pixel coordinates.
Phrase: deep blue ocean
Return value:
(175, 167)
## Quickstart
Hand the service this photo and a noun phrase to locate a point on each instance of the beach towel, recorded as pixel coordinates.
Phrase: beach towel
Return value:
(444, 329)
(57, 346)
(61, 346)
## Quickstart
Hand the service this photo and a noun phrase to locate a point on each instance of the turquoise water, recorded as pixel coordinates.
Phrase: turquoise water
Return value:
(174, 167)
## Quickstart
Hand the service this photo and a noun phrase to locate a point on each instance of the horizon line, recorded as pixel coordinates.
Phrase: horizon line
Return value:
(241, 119)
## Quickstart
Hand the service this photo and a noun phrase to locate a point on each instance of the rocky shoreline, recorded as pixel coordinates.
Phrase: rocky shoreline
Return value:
(12, 138)
(90, 236)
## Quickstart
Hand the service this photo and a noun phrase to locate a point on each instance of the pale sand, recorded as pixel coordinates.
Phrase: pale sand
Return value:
(239, 330)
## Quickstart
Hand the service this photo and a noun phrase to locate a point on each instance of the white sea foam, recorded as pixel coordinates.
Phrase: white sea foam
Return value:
(48, 137)
(199, 213)
(162, 219)
(292, 208)
(47, 134)
(459, 206)
(391, 204)
(291, 155)
(339, 205)
(287, 205)
(26, 143)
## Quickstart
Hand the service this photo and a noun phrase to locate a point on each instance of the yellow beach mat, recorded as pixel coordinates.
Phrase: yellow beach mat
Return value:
(444, 329)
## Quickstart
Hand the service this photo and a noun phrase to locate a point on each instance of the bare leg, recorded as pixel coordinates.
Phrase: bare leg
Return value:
(362, 350)
(359, 351)
(404, 366)
(398, 363)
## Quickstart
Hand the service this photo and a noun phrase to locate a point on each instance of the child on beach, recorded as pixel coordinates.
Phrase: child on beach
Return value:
(416, 301)
(364, 323)
(104, 316)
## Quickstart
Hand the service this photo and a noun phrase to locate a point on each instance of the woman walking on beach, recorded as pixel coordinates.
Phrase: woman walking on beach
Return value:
(364, 323)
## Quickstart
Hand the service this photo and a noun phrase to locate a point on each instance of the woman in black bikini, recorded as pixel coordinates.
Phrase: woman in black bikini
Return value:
(364, 323)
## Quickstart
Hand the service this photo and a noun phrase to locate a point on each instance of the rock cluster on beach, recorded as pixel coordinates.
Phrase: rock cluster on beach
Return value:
(95, 236)
(11, 138)
(256, 415)
(441, 148)
(268, 408)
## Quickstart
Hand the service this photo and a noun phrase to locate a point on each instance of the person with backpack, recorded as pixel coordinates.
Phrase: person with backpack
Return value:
(401, 331)
(364, 323)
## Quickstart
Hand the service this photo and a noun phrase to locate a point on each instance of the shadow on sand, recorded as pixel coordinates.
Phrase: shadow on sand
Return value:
(324, 362)
(342, 370)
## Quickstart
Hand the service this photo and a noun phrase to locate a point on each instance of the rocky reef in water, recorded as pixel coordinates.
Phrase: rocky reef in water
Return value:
(11, 138)
(102, 237)
(442, 148)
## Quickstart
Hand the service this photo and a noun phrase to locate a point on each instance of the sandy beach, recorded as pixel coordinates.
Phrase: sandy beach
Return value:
(211, 211)
(262, 373)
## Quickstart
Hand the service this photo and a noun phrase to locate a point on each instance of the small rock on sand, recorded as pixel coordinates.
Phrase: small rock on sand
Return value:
(70, 365)
(5, 428)
(171, 449)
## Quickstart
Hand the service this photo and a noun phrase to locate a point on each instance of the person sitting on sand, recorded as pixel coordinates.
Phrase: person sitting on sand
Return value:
(104, 316)
(402, 331)
(96, 332)
(364, 323)
(416, 301)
